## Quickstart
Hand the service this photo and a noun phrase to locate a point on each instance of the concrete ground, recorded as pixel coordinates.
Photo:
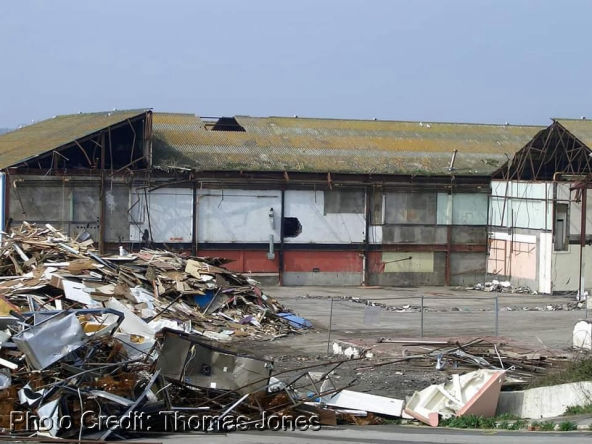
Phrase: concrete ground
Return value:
(379, 434)
(448, 312)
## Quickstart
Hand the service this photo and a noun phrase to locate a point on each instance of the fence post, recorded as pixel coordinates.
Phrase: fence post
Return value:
(496, 316)
(330, 326)
(422, 316)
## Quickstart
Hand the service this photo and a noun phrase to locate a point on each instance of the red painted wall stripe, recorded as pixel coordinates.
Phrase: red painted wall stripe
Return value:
(324, 261)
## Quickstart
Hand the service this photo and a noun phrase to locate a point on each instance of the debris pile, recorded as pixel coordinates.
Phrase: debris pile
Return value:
(104, 347)
(521, 364)
(501, 287)
(42, 269)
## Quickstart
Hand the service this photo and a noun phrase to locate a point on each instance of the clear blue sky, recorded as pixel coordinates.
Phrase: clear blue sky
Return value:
(466, 60)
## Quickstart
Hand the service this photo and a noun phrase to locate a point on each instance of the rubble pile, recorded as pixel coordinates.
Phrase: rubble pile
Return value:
(521, 363)
(501, 287)
(43, 269)
(103, 347)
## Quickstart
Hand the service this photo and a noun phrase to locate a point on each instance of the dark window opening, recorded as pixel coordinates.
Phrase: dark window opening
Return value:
(561, 234)
(227, 124)
(292, 227)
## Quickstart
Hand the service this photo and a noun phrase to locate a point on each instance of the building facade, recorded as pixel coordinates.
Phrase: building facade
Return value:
(291, 200)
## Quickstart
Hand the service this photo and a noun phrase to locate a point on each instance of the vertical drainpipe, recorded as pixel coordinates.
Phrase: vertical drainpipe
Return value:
(281, 251)
(194, 222)
(365, 271)
(102, 199)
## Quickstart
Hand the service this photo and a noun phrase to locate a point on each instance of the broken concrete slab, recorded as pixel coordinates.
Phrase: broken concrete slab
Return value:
(474, 393)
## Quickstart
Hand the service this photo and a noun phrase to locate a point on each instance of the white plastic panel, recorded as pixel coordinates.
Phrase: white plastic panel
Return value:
(238, 215)
(170, 215)
(521, 204)
(464, 209)
(308, 207)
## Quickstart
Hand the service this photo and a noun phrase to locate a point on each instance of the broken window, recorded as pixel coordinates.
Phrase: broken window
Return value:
(561, 224)
(292, 227)
(344, 201)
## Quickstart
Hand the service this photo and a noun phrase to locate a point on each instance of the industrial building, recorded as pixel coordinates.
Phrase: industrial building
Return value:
(539, 235)
(295, 201)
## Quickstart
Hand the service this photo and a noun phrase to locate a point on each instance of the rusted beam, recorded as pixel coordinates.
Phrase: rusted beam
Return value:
(90, 164)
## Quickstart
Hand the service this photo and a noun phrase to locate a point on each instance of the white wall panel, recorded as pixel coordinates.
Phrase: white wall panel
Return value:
(170, 214)
(238, 215)
(521, 203)
(466, 208)
(317, 227)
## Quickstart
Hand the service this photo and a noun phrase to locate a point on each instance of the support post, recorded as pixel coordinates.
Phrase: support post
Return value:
(102, 199)
(330, 327)
(421, 318)
(584, 191)
(365, 271)
(281, 251)
(497, 316)
(194, 222)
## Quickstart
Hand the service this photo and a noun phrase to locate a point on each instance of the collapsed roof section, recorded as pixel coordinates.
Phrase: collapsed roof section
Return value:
(562, 148)
(76, 141)
(241, 143)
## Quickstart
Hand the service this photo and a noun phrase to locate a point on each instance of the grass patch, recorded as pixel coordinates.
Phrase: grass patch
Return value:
(579, 409)
(545, 426)
(506, 422)
(567, 426)
(576, 371)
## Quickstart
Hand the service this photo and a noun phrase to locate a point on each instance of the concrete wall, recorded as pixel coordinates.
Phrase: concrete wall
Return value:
(565, 271)
(544, 402)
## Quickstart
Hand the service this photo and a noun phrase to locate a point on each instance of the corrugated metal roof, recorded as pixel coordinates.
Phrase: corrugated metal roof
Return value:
(32, 140)
(343, 146)
(580, 128)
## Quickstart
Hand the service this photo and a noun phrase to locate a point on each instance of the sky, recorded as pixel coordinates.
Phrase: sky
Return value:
(497, 61)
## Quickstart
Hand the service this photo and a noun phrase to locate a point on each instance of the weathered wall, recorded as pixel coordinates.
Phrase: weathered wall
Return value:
(428, 221)
(565, 272)
(69, 204)
(164, 215)
(521, 205)
(334, 223)
(515, 257)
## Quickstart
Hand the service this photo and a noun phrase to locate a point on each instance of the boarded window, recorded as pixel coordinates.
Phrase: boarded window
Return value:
(410, 208)
(344, 201)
